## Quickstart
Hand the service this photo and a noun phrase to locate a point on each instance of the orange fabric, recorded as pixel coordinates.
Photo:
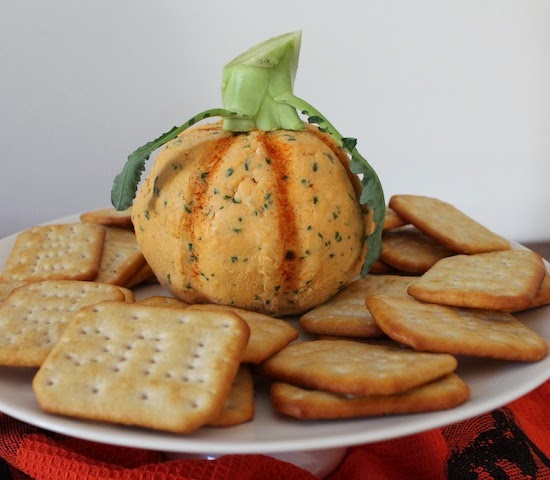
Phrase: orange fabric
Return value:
(512, 442)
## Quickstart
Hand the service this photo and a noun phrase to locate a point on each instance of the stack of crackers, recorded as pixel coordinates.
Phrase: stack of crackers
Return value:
(67, 308)
(445, 287)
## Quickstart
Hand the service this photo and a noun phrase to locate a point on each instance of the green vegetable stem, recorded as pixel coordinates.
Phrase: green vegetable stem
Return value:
(257, 93)
(252, 82)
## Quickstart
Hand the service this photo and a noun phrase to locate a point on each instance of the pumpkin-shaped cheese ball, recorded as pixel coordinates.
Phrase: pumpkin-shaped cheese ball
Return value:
(260, 211)
(264, 220)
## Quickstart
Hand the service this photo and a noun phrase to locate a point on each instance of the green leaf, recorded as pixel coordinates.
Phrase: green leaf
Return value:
(315, 119)
(349, 143)
(126, 182)
(372, 193)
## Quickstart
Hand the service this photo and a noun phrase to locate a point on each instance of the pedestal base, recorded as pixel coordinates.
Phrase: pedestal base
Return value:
(319, 462)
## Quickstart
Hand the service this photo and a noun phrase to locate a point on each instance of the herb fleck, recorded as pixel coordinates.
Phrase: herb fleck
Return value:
(156, 188)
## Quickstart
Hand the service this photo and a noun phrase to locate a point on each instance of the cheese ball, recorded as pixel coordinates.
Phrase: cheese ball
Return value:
(268, 221)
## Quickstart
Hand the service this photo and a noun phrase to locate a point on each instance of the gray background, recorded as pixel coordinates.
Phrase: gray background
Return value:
(447, 98)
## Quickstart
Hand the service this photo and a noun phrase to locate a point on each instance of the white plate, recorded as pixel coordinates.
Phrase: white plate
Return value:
(492, 383)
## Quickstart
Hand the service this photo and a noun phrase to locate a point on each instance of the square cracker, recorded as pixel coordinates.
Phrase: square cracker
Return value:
(346, 314)
(162, 301)
(128, 294)
(353, 368)
(7, 287)
(542, 296)
(161, 368)
(446, 392)
(109, 217)
(381, 268)
(458, 331)
(392, 220)
(268, 335)
(505, 280)
(144, 275)
(409, 250)
(121, 258)
(56, 252)
(239, 406)
(447, 225)
(34, 315)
